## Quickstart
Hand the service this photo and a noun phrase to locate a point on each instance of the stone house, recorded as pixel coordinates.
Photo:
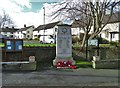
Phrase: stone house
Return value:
(25, 33)
(77, 30)
(45, 30)
(8, 32)
(110, 32)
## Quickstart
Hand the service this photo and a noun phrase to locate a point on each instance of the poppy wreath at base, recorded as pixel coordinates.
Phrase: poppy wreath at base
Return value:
(65, 64)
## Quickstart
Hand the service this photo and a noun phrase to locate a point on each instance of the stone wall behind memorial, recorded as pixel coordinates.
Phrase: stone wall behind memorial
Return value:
(47, 54)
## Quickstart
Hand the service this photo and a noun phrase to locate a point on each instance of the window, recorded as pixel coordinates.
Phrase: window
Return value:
(28, 32)
(35, 35)
(113, 35)
(106, 34)
(100, 35)
(11, 35)
(5, 33)
(55, 29)
(28, 36)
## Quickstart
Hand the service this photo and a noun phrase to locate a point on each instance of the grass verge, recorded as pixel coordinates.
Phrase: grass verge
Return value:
(33, 45)
(83, 64)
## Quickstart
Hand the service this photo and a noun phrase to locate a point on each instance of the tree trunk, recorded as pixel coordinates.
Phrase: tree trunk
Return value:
(92, 36)
(84, 39)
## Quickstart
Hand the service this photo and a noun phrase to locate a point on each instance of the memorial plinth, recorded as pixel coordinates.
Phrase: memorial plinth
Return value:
(63, 44)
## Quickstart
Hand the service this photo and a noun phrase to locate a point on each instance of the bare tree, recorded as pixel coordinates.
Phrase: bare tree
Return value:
(90, 13)
(99, 10)
(5, 20)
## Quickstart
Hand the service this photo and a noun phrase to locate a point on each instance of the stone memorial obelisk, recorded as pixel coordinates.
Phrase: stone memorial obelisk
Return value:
(63, 44)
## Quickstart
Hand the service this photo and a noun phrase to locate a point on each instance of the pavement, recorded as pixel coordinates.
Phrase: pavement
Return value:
(62, 77)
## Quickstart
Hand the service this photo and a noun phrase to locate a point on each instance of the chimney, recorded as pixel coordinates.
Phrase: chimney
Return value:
(12, 27)
(24, 25)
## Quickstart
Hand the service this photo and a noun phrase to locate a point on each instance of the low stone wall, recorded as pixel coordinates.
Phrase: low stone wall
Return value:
(22, 66)
(105, 53)
(42, 54)
(48, 54)
(106, 64)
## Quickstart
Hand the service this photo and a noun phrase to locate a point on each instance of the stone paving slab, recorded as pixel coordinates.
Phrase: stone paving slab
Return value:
(61, 77)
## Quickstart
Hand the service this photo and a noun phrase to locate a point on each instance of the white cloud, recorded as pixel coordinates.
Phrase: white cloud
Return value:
(45, 0)
(32, 18)
(49, 9)
(52, 8)
(28, 18)
(9, 6)
(22, 3)
(15, 9)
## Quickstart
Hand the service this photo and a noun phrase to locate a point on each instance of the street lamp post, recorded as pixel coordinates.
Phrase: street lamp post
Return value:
(87, 45)
(44, 25)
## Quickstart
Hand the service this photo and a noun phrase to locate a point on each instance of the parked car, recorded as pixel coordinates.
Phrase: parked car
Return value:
(47, 39)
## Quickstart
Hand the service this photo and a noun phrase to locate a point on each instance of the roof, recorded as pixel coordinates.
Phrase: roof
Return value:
(63, 25)
(2, 36)
(78, 23)
(8, 29)
(114, 19)
(114, 32)
(47, 26)
(25, 28)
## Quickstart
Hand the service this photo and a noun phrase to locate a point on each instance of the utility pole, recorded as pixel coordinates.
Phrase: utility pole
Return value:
(44, 25)
(87, 45)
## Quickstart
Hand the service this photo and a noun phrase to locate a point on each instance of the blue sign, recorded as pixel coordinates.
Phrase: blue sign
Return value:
(18, 45)
(13, 45)
(93, 42)
(9, 45)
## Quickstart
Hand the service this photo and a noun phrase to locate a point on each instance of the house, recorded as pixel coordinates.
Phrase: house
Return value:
(110, 32)
(45, 30)
(25, 33)
(77, 29)
(2, 37)
(8, 32)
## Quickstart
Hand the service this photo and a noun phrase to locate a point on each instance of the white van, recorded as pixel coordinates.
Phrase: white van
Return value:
(47, 39)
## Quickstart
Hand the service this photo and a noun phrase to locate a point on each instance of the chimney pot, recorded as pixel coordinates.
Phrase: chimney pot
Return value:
(12, 27)
(24, 25)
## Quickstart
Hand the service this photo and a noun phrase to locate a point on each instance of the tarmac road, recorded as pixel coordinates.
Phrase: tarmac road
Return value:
(61, 77)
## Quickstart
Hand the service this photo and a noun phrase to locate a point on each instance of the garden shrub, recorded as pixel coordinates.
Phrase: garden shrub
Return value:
(113, 43)
(103, 41)
(75, 39)
(37, 39)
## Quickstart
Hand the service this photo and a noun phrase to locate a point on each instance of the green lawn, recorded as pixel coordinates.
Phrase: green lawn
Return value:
(44, 45)
(52, 45)
(83, 64)
(33, 45)
(104, 45)
(1, 44)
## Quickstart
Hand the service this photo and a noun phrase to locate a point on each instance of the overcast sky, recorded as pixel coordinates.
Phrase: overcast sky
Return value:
(29, 12)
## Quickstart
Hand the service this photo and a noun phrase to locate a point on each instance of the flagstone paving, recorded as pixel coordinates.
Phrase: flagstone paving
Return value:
(61, 77)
